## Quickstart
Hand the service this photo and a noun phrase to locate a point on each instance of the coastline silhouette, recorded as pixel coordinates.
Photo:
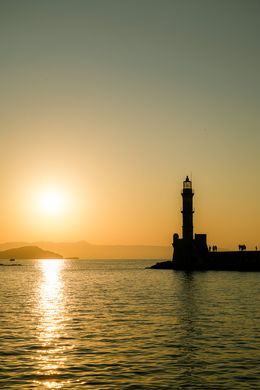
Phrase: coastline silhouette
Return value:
(191, 252)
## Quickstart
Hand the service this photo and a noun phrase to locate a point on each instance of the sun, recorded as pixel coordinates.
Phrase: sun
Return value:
(52, 202)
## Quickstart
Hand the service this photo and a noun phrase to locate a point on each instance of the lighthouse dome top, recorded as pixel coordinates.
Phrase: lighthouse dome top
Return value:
(187, 183)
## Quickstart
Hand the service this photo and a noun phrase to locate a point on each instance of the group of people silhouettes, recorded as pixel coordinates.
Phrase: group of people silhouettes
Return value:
(214, 248)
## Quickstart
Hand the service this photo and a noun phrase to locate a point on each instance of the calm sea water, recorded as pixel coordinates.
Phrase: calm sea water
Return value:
(76, 324)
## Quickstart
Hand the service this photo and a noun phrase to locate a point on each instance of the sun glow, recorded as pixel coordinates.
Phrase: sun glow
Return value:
(52, 202)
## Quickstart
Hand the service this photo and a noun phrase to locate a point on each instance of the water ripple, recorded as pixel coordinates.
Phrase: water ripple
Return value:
(114, 325)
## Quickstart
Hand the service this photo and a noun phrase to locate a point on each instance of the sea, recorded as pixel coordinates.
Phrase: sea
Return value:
(82, 324)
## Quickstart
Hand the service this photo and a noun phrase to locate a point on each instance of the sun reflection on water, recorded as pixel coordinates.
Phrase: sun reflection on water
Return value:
(50, 357)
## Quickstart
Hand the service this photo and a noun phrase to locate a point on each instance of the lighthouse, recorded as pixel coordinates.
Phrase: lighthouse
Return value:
(187, 211)
(191, 250)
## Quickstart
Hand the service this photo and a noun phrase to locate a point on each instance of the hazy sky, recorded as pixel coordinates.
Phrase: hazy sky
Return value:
(109, 104)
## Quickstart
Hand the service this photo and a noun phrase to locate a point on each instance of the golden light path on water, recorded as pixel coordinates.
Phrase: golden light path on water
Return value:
(50, 355)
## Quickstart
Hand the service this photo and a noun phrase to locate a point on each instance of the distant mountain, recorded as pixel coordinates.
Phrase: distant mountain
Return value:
(84, 250)
(28, 252)
(10, 245)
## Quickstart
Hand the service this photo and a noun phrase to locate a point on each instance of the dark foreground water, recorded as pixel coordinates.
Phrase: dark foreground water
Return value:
(75, 324)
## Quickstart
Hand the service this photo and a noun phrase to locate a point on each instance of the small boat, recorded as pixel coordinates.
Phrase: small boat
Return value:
(12, 260)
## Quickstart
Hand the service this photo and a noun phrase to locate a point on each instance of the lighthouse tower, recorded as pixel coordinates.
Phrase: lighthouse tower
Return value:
(189, 252)
(187, 211)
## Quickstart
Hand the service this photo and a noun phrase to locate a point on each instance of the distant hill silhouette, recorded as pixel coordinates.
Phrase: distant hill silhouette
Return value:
(28, 252)
(84, 250)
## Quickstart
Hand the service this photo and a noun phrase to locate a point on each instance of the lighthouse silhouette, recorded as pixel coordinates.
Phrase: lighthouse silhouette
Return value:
(187, 211)
(188, 252)
(191, 253)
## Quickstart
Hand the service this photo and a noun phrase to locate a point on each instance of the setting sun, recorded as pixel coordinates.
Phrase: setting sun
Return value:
(52, 202)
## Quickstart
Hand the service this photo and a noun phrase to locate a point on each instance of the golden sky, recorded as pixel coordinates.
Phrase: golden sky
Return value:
(106, 106)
